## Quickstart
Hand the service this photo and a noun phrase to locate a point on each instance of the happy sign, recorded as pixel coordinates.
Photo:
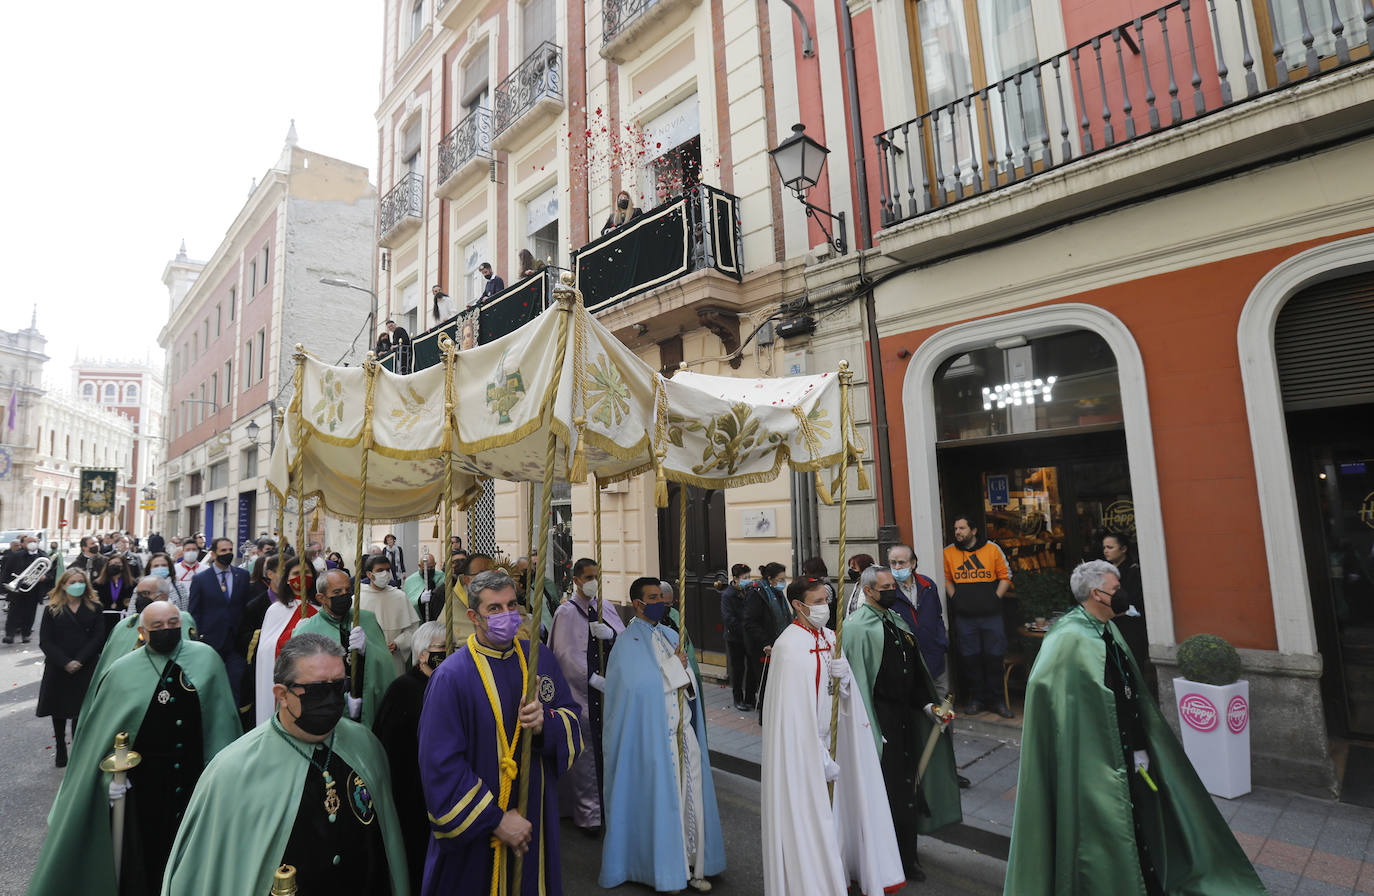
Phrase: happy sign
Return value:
(1198, 712)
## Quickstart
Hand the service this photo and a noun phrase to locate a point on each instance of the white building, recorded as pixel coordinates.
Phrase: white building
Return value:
(21, 375)
(69, 433)
(133, 389)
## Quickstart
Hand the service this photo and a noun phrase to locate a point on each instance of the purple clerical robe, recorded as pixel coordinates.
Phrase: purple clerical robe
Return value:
(459, 768)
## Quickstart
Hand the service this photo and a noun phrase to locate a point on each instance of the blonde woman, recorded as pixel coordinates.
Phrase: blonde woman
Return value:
(70, 635)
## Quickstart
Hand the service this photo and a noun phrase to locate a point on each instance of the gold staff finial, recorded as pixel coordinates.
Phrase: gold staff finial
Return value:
(284, 881)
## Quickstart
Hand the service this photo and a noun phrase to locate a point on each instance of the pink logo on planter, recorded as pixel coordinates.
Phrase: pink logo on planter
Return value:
(1237, 714)
(1199, 712)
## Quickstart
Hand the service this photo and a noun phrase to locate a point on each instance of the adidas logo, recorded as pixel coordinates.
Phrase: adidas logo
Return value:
(971, 564)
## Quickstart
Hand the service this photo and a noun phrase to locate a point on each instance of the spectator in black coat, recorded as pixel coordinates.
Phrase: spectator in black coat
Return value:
(625, 212)
(766, 615)
(70, 635)
(744, 672)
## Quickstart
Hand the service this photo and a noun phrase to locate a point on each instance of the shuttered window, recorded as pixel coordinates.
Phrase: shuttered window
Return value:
(1324, 341)
(475, 74)
(538, 24)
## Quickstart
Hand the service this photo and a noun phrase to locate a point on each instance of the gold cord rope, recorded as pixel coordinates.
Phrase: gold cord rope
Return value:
(846, 381)
(505, 749)
(445, 550)
(370, 366)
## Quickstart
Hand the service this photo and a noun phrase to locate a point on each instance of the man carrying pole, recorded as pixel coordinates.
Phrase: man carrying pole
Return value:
(363, 640)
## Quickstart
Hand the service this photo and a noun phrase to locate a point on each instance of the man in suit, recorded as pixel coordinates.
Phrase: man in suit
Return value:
(218, 596)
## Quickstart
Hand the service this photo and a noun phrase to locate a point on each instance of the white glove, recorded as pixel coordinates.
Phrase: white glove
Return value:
(357, 640)
(1140, 759)
(602, 632)
(832, 768)
(117, 790)
(595, 680)
(355, 707)
(425, 596)
(840, 671)
(930, 713)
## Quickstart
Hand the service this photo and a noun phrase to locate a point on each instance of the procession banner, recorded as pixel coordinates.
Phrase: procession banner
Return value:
(97, 495)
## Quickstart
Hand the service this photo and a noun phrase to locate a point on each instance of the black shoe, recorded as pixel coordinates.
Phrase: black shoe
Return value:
(7, 639)
(915, 874)
(964, 783)
(1002, 710)
(61, 756)
(973, 708)
(26, 639)
(744, 707)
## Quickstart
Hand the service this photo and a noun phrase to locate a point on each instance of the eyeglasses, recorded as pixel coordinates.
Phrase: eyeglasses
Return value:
(148, 594)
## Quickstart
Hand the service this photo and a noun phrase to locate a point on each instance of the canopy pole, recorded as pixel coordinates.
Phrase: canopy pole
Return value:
(682, 622)
(596, 555)
(567, 297)
(450, 575)
(298, 383)
(846, 385)
(355, 659)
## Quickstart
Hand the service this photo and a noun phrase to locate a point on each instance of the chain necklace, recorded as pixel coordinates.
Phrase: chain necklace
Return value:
(331, 796)
(163, 695)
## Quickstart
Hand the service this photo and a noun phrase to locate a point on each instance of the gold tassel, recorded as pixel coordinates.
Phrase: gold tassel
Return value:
(578, 471)
(661, 483)
(822, 492)
(863, 477)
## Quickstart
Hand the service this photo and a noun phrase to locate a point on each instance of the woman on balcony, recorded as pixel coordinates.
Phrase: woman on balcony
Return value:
(529, 265)
(625, 212)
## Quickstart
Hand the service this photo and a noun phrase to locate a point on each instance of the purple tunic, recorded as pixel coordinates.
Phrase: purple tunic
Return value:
(459, 758)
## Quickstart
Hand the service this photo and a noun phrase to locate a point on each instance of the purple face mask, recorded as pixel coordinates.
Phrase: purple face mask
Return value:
(502, 627)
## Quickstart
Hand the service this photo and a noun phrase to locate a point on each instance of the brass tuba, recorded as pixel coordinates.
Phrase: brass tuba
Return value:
(23, 582)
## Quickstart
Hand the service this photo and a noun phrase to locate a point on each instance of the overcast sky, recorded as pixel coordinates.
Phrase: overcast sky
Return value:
(130, 126)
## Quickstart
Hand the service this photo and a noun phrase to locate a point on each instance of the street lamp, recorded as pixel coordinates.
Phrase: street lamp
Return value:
(252, 430)
(800, 161)
(335, 281)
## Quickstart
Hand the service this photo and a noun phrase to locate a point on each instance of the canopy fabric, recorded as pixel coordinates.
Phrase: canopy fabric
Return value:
(612, 415)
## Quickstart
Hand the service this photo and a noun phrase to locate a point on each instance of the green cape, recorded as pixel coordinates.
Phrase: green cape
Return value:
(123, 639)
(415, 584)
(862, 645)
(242, 812)
(378, 669)
(78, 853)
(1073, 833)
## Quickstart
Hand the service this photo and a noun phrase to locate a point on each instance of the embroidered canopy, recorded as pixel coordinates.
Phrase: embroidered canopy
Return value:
(612, 416)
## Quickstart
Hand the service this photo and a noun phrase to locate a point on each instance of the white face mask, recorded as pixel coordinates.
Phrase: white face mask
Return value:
(381, 579)
(190, 555)
(818, 614)
(32, 548)
(318, 564)
(590, 588)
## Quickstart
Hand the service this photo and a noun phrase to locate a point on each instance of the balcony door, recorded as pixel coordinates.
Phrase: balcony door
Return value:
(964, 47)
(538, 24)
(1288, 23)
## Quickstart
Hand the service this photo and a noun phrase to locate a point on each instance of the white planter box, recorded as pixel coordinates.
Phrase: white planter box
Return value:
(1215, 721)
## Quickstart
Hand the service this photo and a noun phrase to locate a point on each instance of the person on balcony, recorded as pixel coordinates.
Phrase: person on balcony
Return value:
(494, 285)
(444, 307)
(529, 265)
(400, 342)
(625, 212)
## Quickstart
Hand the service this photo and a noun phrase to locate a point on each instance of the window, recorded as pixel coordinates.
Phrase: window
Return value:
(410, 147)
(541, 225)
(248, 463)
(214, 394)
(219, 319)
(474, 253)
(417, 19)
(195, 347)
(252, 279)
(248, 364)
(265, 268)
(88, 391)
(233, 301)
(537, 24)
(228, 382)
(675, 160)
(81, 452)
(110, 392)
(219, 475)
(193, 484)
(68, 452)
(205, 326)
(406, 305)
(475, 90)
(262, 352)
(174, 489)
(131, 393)
(200, 406)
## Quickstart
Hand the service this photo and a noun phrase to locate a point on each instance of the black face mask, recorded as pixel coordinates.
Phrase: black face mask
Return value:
(853, 575)
(1120, 602)
(224, 559)
(164, 640)
(887, 598)
(623, 204)
(340, 606)
(322, 705)
(141, 603)
(115, 568)
(435, 658)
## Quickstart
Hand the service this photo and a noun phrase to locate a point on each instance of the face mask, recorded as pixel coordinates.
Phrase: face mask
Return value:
(141, 603)
(116, 567)
(887, 598)
(341, 606)
(819, 615)
(164, 640)
(901, 575)
(381, 578)
(224, 559)
(33, 549)
(162, 572)
(331, 564)
(76, 589)
(655, 612)
(1120, 602)
(745, 583)
(435, 658)
(319, 564)
(190, 555)
(502, 627)
(853, 575)
(322, 706)
(590, 588)
(623, 204)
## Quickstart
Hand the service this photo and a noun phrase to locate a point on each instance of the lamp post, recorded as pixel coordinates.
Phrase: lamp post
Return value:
(800, 161)
(344, 284)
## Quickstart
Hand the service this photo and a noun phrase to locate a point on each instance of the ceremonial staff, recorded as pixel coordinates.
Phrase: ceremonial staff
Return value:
(119, 762)
(846, 379)
(944, 714)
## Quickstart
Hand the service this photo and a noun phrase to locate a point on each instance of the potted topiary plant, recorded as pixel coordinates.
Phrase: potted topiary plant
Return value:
(1214, 714)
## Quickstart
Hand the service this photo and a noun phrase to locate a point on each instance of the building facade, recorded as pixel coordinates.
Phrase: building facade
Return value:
(70, 432)
(22, 356)
(234, 322)
(133, 390)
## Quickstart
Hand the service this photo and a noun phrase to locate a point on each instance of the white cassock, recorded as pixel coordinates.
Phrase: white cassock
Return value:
(396, 617)
(810, 849)
(274, 622)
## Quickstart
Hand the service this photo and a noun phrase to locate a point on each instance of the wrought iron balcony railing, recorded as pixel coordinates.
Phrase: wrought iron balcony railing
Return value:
(405, 202)
(1162, 69)
(471, 139)
(617, 15)
(539, 77)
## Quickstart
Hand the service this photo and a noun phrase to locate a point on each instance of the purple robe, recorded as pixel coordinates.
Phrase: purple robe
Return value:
(459, 758)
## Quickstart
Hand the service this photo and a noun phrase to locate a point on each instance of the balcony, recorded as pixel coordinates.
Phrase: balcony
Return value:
(402, 209)
(698, 231)
(529, 97)
(628, 26)
(464, 152)
(1141, 100)
(451, 14)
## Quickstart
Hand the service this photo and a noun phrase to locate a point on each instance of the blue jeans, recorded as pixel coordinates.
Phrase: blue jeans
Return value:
(982, 643)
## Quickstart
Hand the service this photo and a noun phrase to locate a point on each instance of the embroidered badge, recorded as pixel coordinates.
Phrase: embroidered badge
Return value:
(360, 798)
(186, 683)
(546, 689)
(163, 697)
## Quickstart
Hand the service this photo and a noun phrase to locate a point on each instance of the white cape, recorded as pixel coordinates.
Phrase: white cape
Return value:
(396, 617)
(265, 657)
(810, 849)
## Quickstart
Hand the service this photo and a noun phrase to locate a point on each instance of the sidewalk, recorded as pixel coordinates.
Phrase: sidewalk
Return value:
(1301, 846)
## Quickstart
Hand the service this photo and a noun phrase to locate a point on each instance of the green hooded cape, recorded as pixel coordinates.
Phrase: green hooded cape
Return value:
(78, 853)
(1072, 834)
(862, 645)
(123, 639)
(378, 669)
(414, 585)
(242, 812)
